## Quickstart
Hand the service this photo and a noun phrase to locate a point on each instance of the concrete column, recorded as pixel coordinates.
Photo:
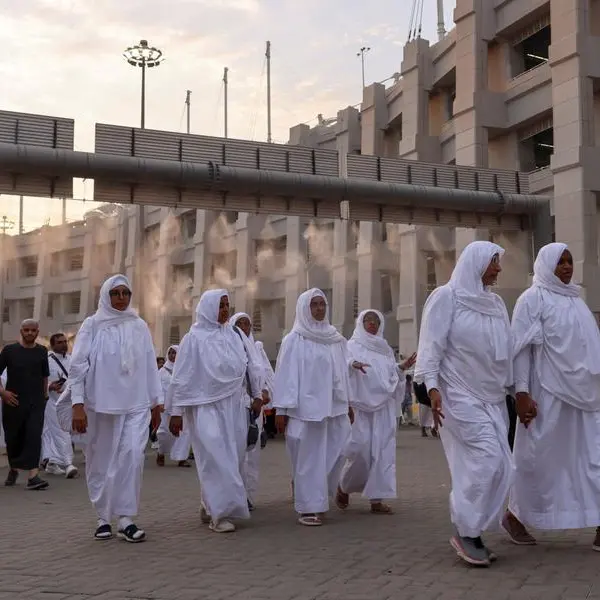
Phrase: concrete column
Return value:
(295, 268)
(516, 265)
(416, 72)
(160, 320)
(575, 204)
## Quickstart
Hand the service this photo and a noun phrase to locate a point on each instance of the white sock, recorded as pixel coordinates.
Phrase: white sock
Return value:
(102, 522)
(124, 522)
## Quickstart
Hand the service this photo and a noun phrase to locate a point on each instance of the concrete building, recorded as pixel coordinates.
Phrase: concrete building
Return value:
(514, 85)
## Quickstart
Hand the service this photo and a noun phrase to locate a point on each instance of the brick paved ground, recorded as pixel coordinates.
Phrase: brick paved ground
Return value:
(47, 552)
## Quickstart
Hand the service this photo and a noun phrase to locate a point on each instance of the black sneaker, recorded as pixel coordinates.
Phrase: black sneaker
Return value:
(36, 483)
(104, 532)
(132, 534)
(11, 478)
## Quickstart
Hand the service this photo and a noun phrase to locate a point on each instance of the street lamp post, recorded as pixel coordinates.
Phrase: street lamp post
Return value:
(146, 57)
(362, 53)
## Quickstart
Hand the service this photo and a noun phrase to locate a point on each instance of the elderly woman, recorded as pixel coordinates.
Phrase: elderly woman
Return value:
(371, 465)
(311, 395)
(251, 469)
(113, 384)
(207, 395)
(557, 384)
(465, 360)
(178, 448)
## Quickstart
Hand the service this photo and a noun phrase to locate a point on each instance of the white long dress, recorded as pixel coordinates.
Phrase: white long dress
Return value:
(251, 467)
(178, 448)
(57, 445)
(371, 453)
(113, 374)
(312, 388)
(557, 360)
(207, 390)
(465, 352)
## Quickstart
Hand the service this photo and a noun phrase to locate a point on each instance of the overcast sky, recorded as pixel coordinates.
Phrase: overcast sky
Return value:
(64, 58)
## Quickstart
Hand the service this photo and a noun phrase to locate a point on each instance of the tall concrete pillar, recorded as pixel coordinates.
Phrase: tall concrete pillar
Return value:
(575, 204)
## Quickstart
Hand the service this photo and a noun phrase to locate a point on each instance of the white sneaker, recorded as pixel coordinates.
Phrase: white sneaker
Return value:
(222, 526)
(53, 469)
(71, 472)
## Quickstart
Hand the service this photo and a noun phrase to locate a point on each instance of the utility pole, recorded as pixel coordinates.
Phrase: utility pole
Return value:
(188, 97)
(225, 100)
(361, 53)
(441, 27)
(5, 225)
(269, 131)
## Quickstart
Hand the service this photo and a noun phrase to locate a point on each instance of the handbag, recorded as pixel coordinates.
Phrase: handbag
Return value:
(421, 394)
(253, 432)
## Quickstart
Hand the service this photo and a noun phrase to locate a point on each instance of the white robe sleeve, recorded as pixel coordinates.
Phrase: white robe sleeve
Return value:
(286, 386)
(433, 337)
(255, 377)
(80, 362)
(527, 331)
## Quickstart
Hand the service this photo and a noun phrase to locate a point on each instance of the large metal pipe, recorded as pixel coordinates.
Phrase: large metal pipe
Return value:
(21, 159)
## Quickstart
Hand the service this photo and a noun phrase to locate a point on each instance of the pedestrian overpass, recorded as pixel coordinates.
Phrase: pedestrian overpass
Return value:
(159, 168)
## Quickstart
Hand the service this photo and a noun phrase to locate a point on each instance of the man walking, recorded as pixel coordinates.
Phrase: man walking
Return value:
(24, 400)
(57, 446)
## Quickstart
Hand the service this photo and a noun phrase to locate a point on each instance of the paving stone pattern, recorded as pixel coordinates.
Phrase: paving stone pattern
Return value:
(47, 551)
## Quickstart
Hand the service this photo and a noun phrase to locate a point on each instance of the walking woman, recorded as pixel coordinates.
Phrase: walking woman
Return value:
(465, 360)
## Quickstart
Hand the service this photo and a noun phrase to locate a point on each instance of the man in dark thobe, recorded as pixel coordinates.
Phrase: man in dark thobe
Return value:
(24, 403)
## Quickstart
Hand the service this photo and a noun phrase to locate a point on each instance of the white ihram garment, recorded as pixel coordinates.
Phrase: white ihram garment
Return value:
(178, 448)
(207, 389)
(557, 360)
(371, 454)
(57, 445)
(425, 416)
(312, 388)
(113, 374)
(465, 352)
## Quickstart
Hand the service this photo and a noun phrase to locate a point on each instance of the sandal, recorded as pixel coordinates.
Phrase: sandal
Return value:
(310, 520)
(160, 460)
(183, 463)
(379, 508)
(342, 500)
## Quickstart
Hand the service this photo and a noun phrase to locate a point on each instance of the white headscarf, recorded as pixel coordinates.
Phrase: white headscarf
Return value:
(557, 319)
(544, 268)
(217, 346)
(375, 343)
(249, 343)
(382, 373)
(308, 327)
(106, 317)
(169, 364)
(466, 279)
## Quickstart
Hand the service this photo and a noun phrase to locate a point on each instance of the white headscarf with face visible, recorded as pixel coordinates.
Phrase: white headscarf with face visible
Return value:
(254, 356)
(466, 279)
(107, 317)
(382, 375)
(308, 327)
(211, 362)
(544, 268)
(169, 364)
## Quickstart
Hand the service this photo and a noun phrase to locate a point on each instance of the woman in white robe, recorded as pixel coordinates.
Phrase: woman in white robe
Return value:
(557, 384)
(251, 468)
(178, 448)
(465, 360)
(371, 454)
(113, 383)
(311, 395)
(207, 397)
